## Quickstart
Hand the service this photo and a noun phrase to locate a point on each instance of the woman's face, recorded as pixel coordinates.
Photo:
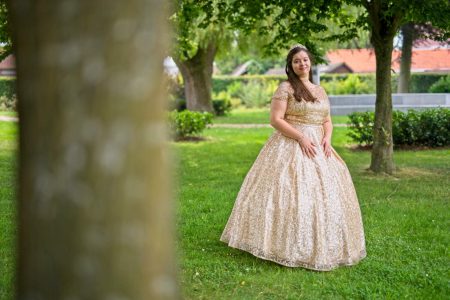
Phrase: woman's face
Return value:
(301, 64)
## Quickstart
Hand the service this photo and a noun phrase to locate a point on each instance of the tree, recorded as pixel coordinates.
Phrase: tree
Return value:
(5, 31)
(410, 33)
(197, 42)
(94, 210)
(384, 18)
(301, 21)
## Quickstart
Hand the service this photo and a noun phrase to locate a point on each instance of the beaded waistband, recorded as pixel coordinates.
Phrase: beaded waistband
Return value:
(304, 120)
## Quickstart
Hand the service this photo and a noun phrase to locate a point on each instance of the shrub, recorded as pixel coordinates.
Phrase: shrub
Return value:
(221, 82)
(429, 127)
(8, 87)
(188, 123)
(175, 89)
(254, 93)
(420, 82)
(8, 103)
(441, 86)
(360, 127)
(352, 84)
(221, 104)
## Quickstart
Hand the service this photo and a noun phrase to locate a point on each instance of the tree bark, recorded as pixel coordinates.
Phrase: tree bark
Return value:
(383, 29)
(197, 76)
(408, 34)
(382, 151)
(95, 216)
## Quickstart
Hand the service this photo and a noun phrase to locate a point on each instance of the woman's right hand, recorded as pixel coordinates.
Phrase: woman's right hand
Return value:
(307, 146)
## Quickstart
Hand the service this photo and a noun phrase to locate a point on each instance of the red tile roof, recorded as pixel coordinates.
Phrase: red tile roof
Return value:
(363, 60)
(8, 63)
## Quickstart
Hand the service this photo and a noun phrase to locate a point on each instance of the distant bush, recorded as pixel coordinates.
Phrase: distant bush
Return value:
(257, 93)
(441, 86)
(361, 127)
(221, 82)
(8, 98)
(221, 104)
(175, 89)
(420, 82)
(188, 123)
(8, 87)
(8, 103)
(352, 84)
(252, 93)
(429, 127)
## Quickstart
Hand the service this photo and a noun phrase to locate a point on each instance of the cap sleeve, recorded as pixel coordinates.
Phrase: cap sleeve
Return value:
(281, 93)
(326, 99)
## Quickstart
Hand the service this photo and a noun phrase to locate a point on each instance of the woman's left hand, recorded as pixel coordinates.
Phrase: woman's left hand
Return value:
(326, 146)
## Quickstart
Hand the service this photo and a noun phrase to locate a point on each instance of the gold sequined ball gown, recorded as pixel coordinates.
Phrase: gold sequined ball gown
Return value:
(293, 210)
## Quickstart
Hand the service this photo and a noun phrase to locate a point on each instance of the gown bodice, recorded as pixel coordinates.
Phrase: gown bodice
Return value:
(314, 113)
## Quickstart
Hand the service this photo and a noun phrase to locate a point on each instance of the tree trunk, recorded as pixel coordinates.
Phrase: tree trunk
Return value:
(197, 76)
(384, 26)
(405, 62)
(382, 152)
(95, 216)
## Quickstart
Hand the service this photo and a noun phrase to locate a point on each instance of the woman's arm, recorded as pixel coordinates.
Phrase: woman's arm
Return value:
(328, 128)
(277, 111)
(326, 140)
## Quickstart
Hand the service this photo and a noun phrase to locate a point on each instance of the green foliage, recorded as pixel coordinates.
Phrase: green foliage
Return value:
(361, 126)
(334, 84)
(257, 93)
(8, 98)
(175, 91)
(441, 86)
(188, 123)
(421, 82)
(221, 104)
(252, 91)
(429, 127)
(352, 84)
(8, 104)
(221, 82)
(8, 87)
(5, 31)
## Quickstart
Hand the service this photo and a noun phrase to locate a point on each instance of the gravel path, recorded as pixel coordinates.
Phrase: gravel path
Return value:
(255, 125)
(9, 119)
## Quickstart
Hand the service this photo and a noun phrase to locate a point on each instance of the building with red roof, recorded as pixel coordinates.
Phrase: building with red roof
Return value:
(363, 60)
(8, 66)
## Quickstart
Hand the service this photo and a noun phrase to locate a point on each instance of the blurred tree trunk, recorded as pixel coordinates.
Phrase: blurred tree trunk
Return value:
(404, 78)
(94, 208)
(197, 76)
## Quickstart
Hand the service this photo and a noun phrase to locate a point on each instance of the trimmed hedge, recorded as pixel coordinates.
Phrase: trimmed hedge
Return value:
(8, 87)
(8, 98)
(430, 127)
(420, 82)
(188, 123)
(441, 86)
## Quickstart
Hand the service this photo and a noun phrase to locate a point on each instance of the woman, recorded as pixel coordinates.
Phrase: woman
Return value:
(297, 205)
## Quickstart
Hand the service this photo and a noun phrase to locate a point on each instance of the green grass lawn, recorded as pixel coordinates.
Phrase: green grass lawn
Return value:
(8, 113)
(405, 219)
(257, 116)
(8, 166)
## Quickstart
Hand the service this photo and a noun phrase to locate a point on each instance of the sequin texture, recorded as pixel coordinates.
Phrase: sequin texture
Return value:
(293, 210)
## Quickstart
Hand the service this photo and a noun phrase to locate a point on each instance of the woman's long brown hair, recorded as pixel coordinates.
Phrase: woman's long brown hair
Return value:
(300, 90)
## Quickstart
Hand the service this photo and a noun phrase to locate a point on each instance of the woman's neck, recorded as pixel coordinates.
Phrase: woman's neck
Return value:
(304, 79)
